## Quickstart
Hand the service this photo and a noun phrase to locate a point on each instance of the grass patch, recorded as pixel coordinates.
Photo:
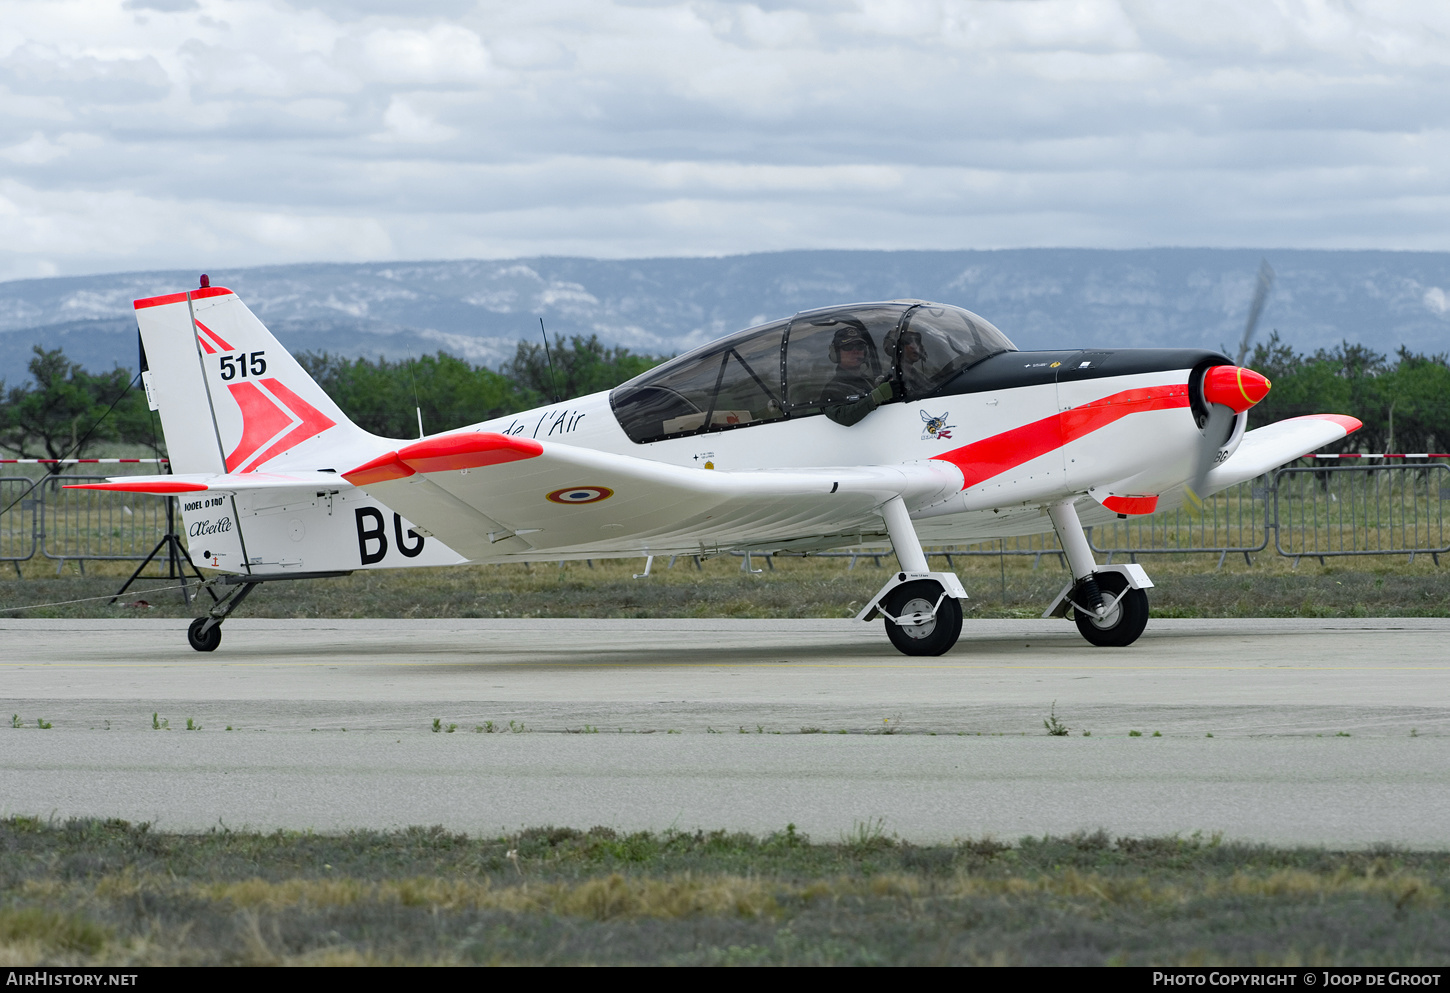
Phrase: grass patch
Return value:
(108, 892)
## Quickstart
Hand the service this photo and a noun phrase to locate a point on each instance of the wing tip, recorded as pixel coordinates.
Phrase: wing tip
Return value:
(379, 470)
(467, 450)
(1350, 424)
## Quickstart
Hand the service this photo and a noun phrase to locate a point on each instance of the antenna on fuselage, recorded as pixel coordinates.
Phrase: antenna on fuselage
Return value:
(417, 405)
(553, 383)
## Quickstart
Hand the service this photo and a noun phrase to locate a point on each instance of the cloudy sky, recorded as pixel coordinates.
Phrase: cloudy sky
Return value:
(141, 134)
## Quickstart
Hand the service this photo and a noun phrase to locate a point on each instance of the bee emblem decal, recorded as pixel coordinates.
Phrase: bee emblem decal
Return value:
(935, 427)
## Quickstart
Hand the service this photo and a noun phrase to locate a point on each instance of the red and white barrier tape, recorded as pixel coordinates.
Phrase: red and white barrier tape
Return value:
(1379, 455)
(83, 461)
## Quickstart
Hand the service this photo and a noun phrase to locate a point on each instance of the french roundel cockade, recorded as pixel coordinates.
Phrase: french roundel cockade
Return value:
(580, 494)
(899, 424)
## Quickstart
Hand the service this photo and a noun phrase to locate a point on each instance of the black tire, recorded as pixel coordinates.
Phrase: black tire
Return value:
(204, 642)
(1122, 625)
(935, 637)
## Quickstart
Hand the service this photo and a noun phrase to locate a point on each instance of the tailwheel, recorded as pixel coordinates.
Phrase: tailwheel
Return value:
(204, 640)
(921, 633)
(1123, 622)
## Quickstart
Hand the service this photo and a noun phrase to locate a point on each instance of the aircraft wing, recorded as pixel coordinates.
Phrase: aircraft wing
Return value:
(1265, 449)
(487, 495)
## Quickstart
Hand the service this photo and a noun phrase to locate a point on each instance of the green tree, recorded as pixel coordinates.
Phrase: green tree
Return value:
(1404, 404)
(67, 410)
(1417, 391)
(585, 367)
(379, 396)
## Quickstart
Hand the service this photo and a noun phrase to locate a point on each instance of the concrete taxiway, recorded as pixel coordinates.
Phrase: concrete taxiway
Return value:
(1324, 732)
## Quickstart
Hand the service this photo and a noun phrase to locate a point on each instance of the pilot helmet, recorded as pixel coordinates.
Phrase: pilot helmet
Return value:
(910, 337)
(848, 335)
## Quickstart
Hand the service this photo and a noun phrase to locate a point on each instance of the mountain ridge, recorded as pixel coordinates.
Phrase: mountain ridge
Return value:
(1040, 297)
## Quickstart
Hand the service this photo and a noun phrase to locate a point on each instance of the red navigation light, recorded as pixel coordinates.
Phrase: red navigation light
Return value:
(205, 280)
(1234, 387)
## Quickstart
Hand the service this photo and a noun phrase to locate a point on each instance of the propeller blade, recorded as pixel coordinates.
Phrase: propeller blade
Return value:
(1261, 295)
(1216, 431)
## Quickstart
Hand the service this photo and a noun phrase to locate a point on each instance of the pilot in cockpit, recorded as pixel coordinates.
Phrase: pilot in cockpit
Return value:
(915, 379)
(859, 386)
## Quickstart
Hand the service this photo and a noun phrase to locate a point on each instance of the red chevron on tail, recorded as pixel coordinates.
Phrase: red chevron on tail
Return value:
(266, 414)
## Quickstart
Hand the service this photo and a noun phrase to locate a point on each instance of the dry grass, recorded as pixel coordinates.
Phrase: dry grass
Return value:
(109, 893)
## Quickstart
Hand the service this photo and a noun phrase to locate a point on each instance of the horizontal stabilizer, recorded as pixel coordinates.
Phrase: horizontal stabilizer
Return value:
(277, 524)
(231, 482)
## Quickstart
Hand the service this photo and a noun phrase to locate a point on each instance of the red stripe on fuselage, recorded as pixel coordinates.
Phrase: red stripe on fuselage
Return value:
(981, 460)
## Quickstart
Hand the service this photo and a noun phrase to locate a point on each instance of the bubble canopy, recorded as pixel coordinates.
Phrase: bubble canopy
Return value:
(784, 369)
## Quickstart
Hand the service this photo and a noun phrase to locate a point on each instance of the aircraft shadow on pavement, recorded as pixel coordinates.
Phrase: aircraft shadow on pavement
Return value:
(453, 654)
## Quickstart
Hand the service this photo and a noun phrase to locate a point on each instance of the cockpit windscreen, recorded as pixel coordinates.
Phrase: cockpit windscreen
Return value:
(789, 369)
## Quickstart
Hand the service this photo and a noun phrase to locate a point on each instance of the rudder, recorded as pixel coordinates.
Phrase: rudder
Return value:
(231, 398)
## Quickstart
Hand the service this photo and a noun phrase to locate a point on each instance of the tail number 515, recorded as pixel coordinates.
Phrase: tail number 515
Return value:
(234, 365)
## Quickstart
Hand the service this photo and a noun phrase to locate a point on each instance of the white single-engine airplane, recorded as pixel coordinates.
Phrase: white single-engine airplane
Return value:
(906, 422)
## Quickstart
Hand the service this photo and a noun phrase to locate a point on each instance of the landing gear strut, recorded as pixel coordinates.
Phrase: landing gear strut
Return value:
(922, 609)
(1108, 603)
(205, 633)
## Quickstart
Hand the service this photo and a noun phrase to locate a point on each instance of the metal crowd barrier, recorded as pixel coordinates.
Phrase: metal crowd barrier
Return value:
(1235, 521)
(1313, 511)
(39, 516)
(98, 525)
(1036, 545)
(18, 533)
(1323, 511)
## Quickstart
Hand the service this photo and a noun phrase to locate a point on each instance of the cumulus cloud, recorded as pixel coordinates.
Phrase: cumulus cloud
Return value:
(82, 78)
(155, 132)
(1436, 302)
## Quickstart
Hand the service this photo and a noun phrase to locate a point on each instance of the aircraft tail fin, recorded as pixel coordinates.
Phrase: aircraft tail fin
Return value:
(231, 398)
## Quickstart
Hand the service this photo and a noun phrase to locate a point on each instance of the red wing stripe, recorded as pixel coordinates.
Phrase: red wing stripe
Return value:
(981, 460)
(467, 450)
(261, 420)
(221, 342)
(314, 422)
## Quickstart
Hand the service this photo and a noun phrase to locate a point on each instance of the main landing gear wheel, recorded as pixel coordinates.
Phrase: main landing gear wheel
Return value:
(938, 634)
(204, 642)
(1123, 622)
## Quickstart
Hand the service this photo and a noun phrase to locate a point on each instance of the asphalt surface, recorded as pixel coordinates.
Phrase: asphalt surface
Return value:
(1322, 732)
